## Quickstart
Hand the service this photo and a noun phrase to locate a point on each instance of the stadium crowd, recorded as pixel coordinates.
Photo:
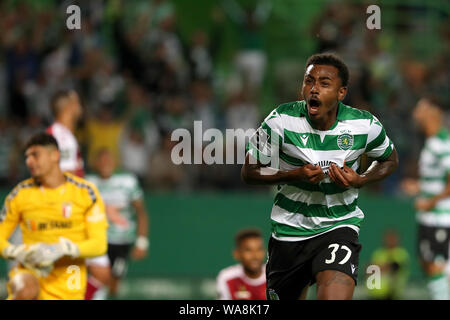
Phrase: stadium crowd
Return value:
(139, 79)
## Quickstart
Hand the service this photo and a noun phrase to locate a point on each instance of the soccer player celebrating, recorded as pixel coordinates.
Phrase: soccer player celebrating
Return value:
(126, 215)
(246, 280)
(315, 217)
(433, 204)
(63, 221)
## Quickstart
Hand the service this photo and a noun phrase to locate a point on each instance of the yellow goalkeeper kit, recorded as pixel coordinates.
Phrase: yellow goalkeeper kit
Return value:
(73, 211)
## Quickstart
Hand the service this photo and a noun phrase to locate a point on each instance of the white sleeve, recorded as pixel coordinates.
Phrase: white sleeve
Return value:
(223, 291)
(445, 161)
(267, 140)
(378, 146)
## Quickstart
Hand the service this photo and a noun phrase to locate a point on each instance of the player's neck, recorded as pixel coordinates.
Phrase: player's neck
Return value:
(53, 180)
(67, 121)
(253, 275)
(433, 128)
(327, 122)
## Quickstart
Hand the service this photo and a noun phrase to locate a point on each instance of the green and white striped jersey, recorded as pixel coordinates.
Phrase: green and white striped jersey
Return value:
(302, 210)
(434, 169)
(119, 191)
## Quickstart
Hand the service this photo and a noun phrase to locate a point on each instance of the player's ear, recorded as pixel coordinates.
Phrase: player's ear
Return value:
(342, 93)
(55, 155)
(236, 255)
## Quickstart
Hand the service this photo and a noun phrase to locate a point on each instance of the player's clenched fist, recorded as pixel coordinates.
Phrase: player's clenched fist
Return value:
(309, 173)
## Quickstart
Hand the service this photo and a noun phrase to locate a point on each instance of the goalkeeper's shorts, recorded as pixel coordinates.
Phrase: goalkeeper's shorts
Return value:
(65, 282)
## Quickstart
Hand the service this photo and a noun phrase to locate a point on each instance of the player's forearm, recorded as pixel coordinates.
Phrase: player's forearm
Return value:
(93, 247)
(142, 220)
(257, 174)
(441, 196)
(380, 169)
(254, 174)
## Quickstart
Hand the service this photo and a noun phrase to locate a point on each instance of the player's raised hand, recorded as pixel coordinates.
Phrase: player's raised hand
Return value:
(345, 177)
(309, 173)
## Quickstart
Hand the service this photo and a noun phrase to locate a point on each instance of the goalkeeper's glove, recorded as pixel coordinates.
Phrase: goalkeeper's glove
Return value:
(44, 255)
(21, 253)
(16, 252)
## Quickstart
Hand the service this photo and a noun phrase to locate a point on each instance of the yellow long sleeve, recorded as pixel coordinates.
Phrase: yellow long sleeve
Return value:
(96, 226)
(9, 219)
(96, 245)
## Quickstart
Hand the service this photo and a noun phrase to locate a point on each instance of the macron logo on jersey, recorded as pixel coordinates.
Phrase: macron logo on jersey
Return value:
(304, 139)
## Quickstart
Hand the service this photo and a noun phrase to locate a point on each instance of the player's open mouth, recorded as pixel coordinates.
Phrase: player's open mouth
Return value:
(314, 105)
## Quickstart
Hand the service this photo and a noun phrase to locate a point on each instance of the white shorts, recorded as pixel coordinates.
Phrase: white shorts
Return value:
(102, 261)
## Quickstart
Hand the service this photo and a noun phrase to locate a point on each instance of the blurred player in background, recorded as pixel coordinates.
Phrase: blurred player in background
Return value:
(62, 219)
(315, 218)
(394, 263)
(67, 111)
(433, 203)
(128, 219)
(246, 280)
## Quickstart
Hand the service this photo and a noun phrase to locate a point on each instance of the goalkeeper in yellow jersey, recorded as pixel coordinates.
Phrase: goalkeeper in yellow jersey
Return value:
(62, 219)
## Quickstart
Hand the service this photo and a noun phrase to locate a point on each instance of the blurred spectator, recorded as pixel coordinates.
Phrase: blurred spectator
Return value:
(33, 125)
(200, 59)
(333, 27)
(241, 111)
(203, 104)
(139, 140)
(107, 85)
(9, 153)
(175, 114)
(161, 77)
(140, 136)
(134, 152)
(165, 35)
(164, 174)
(394, 263)
(103, 132)
(251, 59)
(22, 66)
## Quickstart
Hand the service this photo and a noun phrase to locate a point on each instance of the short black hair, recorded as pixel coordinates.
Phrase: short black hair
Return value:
(245, 234)
(41, 139)
(54, 101)
(330, 59)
